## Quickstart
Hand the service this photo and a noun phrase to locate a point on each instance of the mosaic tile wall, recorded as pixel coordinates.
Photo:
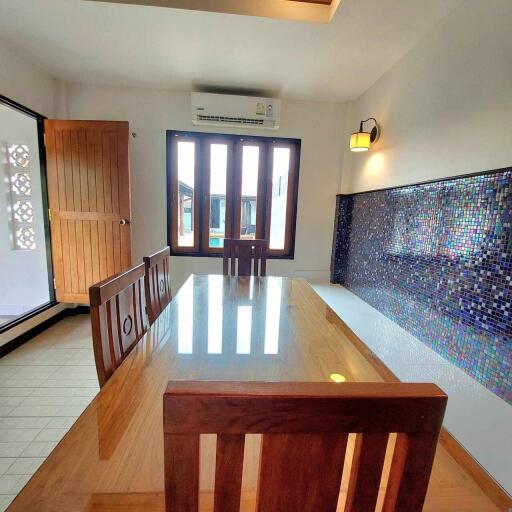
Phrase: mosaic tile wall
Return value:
(436, 258)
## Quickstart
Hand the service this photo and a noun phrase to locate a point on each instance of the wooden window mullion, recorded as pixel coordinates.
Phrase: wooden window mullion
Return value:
(237, 183)
(268, 190)
(292, 197)
(230, 189)
(205, 195)
(260, 194)
(197, 194)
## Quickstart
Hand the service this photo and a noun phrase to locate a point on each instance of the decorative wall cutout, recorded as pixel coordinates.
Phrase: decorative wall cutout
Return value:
(25, 238)
(19, 155)
(20, 191)
(23, 212)
(436, 258)
(21, 184)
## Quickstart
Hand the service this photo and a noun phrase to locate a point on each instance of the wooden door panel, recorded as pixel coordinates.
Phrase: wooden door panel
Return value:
(89, 195)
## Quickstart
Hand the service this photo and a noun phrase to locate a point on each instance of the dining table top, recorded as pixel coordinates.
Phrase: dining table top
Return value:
(215, 328)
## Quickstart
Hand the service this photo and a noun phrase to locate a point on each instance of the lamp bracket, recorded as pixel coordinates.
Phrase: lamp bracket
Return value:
(375, 132)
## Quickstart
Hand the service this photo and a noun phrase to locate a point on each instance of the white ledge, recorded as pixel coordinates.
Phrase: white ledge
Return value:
(479, 419)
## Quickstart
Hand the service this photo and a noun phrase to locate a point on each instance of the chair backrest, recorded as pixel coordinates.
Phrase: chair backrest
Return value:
(157, 283)
(246, 252)
(304, 429)
(118, 318)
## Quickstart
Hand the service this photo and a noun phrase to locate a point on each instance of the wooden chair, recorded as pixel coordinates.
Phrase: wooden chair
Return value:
(305, 427)
(245, 251)
(118, 318)
(157, 283)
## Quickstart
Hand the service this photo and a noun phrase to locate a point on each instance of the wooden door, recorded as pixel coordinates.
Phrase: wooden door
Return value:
(89, 200)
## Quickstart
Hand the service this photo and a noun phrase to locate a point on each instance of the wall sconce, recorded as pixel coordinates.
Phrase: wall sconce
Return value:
(361, 140)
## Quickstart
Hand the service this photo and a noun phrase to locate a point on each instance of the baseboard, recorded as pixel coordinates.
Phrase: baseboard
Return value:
(39, 328)
(487, 484)
(485, 481)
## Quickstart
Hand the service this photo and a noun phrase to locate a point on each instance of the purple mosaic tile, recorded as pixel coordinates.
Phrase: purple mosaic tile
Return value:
(436, 258)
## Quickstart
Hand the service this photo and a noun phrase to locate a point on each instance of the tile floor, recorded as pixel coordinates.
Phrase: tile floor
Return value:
(44, 386)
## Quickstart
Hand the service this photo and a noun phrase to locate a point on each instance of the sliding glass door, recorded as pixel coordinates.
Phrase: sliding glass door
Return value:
(25, 272)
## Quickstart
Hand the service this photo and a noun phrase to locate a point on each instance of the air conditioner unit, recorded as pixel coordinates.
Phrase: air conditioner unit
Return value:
(229, 110)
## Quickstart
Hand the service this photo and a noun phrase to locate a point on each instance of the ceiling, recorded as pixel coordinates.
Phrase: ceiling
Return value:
(134, 45)
(319, 11)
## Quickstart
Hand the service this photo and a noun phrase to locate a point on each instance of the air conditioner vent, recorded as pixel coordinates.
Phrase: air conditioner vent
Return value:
(229, 110)
(234, 120)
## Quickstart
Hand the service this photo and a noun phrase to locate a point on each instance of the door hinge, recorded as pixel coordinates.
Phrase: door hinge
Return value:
(50, 214)
(54, 284)
(44, 139)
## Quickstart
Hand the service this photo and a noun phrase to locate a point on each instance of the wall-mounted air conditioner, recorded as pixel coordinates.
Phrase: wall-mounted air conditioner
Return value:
(229, 110)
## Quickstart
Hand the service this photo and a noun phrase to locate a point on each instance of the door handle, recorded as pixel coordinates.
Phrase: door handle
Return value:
(124, 222)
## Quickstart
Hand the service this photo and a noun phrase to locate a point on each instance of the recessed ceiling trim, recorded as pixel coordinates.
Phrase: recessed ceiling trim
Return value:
(318, 11)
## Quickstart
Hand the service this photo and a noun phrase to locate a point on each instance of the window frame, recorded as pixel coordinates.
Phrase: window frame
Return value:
(39, 118)
(173, 177)
(205, 228)
(235, 144)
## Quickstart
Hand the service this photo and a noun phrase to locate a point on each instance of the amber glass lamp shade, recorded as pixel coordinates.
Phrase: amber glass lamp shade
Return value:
(359, 141)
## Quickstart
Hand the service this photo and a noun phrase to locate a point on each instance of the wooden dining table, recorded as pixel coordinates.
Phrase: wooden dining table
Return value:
(216, 328)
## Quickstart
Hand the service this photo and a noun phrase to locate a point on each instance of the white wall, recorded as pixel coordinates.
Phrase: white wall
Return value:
(23, 81)
(152, 112)
(445, 108)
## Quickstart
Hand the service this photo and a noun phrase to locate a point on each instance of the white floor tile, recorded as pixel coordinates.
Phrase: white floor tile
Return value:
(12, 449)
(44, 386)
(39, 449)
(23, 481)
(27, 422)
(62, 422)
(80, 360)
(89, 392)
(51, 434)
(24, 465)
(48, 392)
(5, 501)
(11, 400)
(9, 484)
(35, 371)
(5, 464)
(7, 371)
(71, 410)
(16, 391)
(45, 400)
(21, 383)
(70, 383)
(19, 435)
(36, 410)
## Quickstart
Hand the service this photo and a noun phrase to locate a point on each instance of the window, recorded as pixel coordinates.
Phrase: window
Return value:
(230, 186)
(25, 273)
